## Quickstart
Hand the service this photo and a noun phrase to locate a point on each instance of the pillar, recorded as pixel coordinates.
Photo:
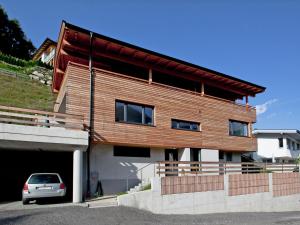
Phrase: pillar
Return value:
(77, 175)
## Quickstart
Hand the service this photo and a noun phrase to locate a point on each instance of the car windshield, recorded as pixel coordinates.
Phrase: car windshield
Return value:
(44, 179)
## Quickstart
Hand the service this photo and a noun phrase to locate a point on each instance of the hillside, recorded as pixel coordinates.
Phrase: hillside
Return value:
(25, 93)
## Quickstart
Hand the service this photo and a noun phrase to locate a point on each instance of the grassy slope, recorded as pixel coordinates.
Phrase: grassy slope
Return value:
(25, 94)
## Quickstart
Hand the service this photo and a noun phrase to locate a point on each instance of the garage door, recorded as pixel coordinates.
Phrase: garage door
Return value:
(16, 166)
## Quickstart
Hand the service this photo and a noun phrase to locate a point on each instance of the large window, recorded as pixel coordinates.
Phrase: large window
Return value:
(237, 128)
(185, 125)
(134, 113)
(125, 151)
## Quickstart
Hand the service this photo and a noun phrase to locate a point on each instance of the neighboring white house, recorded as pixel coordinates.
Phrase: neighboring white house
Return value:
(277, 145)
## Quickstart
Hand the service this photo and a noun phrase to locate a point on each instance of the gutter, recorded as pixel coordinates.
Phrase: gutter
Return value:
(91, 112)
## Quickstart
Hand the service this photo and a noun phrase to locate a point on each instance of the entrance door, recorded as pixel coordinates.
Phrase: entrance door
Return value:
(195, 157)
(171, 155)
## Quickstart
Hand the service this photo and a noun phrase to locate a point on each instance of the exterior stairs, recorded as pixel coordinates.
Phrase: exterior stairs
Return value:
(139, 187)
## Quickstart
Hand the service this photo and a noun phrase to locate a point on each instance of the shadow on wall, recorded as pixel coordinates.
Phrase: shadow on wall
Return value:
(128, 178)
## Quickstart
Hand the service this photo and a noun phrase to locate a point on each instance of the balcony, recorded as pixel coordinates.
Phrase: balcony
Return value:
(50, 56)
(30, 117)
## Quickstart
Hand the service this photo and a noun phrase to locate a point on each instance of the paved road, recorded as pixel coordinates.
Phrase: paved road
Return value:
(125, 216)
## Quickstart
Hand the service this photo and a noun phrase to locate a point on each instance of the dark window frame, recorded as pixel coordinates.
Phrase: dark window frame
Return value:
(241, 122)
(131, 152)
(125, 111)
(198, 124)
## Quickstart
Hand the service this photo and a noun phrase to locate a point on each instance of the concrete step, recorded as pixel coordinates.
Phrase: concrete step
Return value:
(106, 201)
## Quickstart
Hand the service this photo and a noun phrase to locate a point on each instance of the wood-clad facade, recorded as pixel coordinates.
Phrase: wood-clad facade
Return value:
(169, 103)
(174, 88)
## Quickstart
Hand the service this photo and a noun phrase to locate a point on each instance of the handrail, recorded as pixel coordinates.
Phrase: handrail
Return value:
(140, 169)
(14, 115)
(219, 167)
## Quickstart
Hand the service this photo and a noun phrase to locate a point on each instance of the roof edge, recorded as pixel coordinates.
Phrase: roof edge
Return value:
(86, 31)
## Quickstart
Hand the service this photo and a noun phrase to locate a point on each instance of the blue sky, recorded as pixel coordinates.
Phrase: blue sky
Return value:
(257, 40)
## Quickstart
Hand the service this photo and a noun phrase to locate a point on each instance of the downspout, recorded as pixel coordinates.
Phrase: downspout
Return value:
(91, 113)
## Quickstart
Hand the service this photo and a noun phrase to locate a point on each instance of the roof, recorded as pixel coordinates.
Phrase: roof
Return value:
(152, 58)
(46, 43)
(293, 133)
(276, 131)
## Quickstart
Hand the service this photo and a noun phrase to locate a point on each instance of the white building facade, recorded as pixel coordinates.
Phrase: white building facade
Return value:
(277, 145)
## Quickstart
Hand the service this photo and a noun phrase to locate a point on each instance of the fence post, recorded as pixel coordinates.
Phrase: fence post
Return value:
(282, 167)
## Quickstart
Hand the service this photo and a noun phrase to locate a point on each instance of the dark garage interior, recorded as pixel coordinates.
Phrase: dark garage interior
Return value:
(16, 167)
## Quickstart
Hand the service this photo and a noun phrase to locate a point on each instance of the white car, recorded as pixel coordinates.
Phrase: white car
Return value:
(43, 185)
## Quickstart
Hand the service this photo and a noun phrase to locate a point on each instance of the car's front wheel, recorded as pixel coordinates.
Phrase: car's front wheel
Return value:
(25, 201)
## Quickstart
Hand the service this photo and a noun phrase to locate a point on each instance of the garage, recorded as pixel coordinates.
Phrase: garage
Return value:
(17, 165)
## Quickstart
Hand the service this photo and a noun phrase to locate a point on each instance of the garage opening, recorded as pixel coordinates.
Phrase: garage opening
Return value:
(16, 167)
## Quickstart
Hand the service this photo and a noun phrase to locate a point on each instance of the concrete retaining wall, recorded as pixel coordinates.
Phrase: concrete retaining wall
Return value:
(210, 201)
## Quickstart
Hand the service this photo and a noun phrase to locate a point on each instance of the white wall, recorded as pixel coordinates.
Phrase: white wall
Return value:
(209, 155)
(268, 147)
(113, 171)
(208, 202)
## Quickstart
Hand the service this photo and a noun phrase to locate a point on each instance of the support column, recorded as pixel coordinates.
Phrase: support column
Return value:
(77, 175)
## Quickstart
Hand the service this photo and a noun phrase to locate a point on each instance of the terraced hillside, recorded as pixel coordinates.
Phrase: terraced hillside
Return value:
(25, 93)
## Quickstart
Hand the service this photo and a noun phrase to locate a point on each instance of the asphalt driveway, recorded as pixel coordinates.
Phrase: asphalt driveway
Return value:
(127, 216)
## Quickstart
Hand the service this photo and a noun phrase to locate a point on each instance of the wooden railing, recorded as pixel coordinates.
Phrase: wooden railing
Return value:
(179, 168)
(31, 117)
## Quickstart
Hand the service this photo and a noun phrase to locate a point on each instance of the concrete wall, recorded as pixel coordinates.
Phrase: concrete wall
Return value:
(209, 201)
(113, 171)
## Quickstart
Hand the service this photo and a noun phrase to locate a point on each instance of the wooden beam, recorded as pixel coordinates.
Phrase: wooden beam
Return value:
(155, 67)
(150, 76)
(202, 89)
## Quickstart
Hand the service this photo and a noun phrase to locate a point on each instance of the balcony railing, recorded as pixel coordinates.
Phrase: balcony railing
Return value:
(180, 168)
(30, 117)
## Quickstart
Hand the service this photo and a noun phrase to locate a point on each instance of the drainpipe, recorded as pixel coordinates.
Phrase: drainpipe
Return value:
(91, 113)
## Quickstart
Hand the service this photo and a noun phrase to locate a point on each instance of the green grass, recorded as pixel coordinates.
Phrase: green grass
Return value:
(25, 93)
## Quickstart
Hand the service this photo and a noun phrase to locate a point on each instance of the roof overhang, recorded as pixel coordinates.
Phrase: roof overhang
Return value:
(74, 45)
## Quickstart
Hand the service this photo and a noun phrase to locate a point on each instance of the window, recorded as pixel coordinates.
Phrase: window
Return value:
(229, 156)
(288, 143)
(280, 141)
(237, 128)
(185, 125)
(44, 179)
(221, 155)
(134, 113)
(125, 151)
(298, 146)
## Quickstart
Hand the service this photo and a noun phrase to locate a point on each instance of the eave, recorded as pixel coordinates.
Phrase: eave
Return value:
(73, 45)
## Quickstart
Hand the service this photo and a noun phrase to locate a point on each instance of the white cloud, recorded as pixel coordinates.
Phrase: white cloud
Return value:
(260, 109)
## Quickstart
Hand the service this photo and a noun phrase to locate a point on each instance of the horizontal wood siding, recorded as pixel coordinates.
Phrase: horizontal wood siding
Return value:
(213, 114)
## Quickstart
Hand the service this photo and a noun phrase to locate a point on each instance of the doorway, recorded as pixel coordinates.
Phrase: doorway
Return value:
(196, 157)
(171, 155)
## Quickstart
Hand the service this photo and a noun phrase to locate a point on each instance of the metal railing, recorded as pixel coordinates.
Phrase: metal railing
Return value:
(140, 170)
(179, 168)
(31, 117)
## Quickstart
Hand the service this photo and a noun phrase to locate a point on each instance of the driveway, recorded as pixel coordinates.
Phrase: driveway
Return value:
(128, 216)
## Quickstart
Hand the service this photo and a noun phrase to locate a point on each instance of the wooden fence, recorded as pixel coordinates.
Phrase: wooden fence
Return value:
(31, 117)
(180, 168)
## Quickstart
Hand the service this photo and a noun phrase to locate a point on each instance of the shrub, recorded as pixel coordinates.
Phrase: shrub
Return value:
(21, 62)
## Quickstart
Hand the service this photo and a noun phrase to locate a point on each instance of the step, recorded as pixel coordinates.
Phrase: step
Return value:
(108, 202)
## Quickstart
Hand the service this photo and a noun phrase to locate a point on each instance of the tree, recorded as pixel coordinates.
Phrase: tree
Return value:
(13, 41)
